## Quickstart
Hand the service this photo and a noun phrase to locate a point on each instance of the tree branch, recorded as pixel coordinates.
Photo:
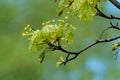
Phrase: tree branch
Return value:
(115, 3)
(99, 41)
(100, 13)
(84, 49)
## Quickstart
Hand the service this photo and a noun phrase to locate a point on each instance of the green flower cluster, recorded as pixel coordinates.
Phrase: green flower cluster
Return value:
(60, 61)
(54, 32)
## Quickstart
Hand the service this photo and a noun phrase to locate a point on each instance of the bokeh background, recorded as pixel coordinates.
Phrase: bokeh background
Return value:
(17, 63)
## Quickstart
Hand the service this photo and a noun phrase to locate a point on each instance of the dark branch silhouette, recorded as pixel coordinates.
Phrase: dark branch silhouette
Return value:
(101, 14)
(115, 3)
(99, 41)
(73, 55)
(84, 49)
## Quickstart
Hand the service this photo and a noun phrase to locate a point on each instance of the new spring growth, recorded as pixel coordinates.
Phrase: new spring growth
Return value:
(27, 31)
(53, 33)
(60, 61)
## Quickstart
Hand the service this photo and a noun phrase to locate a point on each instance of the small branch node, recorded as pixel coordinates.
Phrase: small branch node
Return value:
(111, 23)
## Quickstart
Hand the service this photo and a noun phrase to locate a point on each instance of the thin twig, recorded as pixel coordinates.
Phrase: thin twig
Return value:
(111, 27)
(91, 45)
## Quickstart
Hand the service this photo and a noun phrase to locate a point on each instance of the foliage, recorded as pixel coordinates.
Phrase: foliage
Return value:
(55, 33)
(98, 62)
(84, 9)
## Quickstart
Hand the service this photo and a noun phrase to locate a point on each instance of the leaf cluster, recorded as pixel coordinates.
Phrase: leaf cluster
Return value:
(84, 9)
(53, 32)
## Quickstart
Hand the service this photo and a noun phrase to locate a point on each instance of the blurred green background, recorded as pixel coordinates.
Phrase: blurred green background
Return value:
(17, 63)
